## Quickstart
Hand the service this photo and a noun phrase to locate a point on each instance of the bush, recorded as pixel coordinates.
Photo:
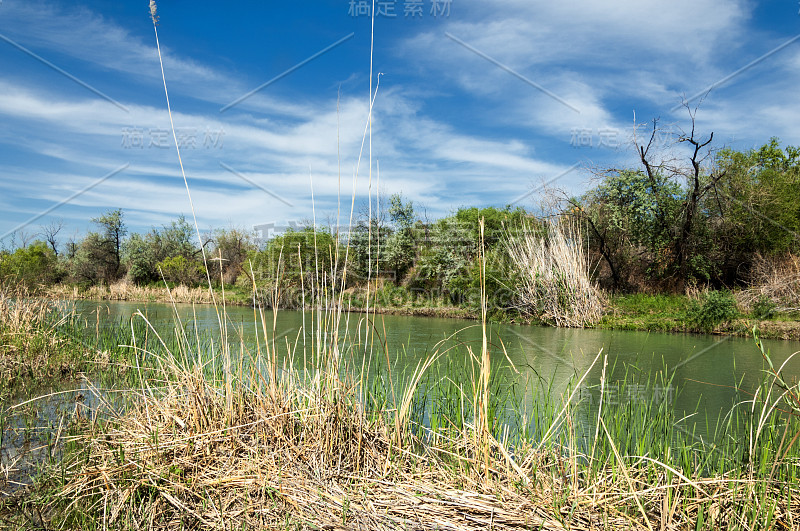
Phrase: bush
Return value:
(179, 270)
(716, 307)
(32, 266)
(298, 259)
(764, 308)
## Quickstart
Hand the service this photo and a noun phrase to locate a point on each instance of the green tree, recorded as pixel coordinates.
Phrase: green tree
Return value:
(367, 256)
(293, 261)
(92, 261)
(229, 250)
(401, 244)
(139, 259)
(657, 215)
(631, 220)
(448, 255)
(757, 211)
(497, 222)
(113, 231)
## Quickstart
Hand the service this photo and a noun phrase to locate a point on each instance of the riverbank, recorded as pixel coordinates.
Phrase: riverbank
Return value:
(125, 291)
(673, 313)
(640, 312)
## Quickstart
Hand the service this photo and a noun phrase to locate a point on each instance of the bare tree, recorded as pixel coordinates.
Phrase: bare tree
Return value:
(646, 222)
(21, 239)
(72, 246)
(699, 177)
(50, 231)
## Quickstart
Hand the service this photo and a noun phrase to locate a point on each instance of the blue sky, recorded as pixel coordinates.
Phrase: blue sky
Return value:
(480, 102)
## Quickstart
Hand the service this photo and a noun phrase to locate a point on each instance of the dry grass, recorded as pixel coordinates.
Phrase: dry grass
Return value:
(20, 314)
(776, 279)
(126, 291)
(554, 280)
(30, 346)
(306, 455)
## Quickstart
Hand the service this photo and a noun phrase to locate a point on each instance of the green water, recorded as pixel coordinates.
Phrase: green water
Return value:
(707, 370)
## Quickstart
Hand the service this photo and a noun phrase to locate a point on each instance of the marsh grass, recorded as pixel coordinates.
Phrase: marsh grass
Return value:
(207, 444)
(554, 281)
(33, 347)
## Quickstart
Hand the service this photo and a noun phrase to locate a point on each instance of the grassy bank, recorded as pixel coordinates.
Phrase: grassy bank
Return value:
(673, 313)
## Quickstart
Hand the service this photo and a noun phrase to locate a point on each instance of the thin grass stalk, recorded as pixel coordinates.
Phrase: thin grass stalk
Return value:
(482, 422)
(154, 18)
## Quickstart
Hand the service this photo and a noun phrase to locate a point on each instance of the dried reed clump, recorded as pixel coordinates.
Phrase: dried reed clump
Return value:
(31, 346)
(306, 456)
(776, 279)
(27, 322)
(191, 460)
(553, 281)
(19, 313)
(126, 291)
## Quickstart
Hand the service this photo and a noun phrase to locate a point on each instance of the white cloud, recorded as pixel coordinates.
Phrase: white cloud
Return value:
(424, 159)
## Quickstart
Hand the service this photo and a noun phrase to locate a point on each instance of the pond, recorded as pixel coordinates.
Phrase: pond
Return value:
(693, 373)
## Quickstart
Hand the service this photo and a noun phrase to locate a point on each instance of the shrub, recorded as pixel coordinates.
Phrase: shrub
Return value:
(179, 270)
(716, 307)
(31, 266)
(764, 308)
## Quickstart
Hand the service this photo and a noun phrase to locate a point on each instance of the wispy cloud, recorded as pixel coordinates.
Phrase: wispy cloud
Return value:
(449, 129)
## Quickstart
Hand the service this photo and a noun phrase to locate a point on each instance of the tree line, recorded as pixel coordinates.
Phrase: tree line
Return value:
(701, 217)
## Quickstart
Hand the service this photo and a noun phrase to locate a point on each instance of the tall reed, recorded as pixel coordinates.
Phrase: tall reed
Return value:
(553, 277)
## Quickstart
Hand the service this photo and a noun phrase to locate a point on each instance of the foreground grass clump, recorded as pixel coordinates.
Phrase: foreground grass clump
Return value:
(220, 444)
